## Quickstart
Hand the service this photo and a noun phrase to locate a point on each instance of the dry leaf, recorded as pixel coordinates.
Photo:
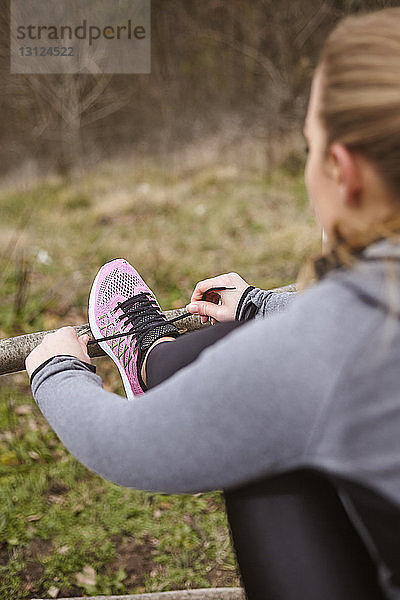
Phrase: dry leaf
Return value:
(59, 453)
(32, 425)
(34, 455)
(63, 549)
(24, 409)
(34, 517)
(53, 591)
(87, 576)
(56, 499)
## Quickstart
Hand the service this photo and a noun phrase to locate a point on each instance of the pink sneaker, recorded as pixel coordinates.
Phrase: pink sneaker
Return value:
(126, 319)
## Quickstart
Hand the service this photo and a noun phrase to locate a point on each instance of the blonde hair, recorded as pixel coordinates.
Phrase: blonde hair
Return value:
(360, 94)
(360, 107)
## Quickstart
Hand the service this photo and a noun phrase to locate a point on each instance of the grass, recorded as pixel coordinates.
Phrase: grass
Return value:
(63, 530)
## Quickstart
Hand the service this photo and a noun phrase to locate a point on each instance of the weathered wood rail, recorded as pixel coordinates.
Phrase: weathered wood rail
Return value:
(13, 351)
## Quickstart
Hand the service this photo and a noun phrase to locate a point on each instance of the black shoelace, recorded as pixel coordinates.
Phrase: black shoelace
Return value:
(140, 305)
(134, 309)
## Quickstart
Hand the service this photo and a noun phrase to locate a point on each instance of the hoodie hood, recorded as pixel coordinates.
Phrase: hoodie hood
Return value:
(375, 276)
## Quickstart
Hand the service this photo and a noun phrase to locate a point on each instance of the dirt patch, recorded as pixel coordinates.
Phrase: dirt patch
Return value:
(72, 591)
(31, 575)
(133, 556)
(39, 548)
(57, 487)
(219, 577)
(4, 556)
(33, 570)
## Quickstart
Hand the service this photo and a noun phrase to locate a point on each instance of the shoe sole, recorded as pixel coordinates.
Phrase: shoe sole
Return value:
(103, 345)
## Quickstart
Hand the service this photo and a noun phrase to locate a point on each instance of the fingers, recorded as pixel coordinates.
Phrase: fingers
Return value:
(206, 284)
(67, 333)
(205, 309)
(64, 341)
(221, 305)
(202, 307)
(83, 341)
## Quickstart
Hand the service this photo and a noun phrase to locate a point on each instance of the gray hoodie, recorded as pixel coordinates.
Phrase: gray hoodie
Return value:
(316, 385)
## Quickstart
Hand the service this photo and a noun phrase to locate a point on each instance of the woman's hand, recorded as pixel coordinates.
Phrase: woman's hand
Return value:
(221, 305)
(65, 341)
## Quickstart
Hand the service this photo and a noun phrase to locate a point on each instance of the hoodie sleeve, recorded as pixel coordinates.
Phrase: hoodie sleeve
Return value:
(244, 409)
(259, 304)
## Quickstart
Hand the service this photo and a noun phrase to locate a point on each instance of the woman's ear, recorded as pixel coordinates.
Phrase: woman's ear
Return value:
(346, 173)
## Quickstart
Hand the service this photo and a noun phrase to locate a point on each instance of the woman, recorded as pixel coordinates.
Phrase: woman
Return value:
(312, 389)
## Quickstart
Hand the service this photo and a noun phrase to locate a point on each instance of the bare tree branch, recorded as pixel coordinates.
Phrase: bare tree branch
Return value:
(13, 351)
(312, 24)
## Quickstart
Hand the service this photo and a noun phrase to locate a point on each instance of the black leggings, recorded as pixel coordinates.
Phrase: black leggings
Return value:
(293, 539)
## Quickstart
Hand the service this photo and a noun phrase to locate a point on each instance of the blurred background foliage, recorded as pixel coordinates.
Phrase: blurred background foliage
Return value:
(237, 69)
